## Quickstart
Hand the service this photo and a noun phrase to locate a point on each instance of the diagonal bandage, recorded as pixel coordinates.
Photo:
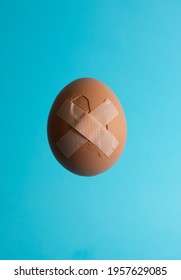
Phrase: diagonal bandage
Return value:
(87, 127)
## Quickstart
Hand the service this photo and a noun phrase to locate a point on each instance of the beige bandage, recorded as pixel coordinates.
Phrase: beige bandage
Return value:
(87, 127)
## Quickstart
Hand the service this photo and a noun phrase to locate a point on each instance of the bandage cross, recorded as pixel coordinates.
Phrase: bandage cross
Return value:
(87, 127)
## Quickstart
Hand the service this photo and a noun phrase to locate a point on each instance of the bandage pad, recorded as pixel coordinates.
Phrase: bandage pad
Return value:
(87, 127)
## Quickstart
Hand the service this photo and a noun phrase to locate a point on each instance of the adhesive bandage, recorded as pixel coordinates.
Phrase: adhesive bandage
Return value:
(87, 127)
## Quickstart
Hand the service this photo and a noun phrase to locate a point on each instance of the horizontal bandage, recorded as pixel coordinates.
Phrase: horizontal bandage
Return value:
(87, 127)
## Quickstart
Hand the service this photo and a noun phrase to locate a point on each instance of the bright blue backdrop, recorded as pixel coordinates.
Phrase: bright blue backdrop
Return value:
(132, 211)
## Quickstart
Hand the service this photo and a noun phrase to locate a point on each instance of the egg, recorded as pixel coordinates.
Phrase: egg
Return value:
(86, 127)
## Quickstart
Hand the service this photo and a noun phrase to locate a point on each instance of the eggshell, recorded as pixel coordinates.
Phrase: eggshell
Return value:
(88, 160)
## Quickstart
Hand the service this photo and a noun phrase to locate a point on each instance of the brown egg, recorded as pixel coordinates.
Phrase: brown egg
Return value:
(86, 127)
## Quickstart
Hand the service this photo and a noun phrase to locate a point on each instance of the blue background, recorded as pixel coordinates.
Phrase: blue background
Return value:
(132, 211)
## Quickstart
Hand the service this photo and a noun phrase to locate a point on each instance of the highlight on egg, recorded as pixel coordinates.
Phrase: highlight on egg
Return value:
(86, 127)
